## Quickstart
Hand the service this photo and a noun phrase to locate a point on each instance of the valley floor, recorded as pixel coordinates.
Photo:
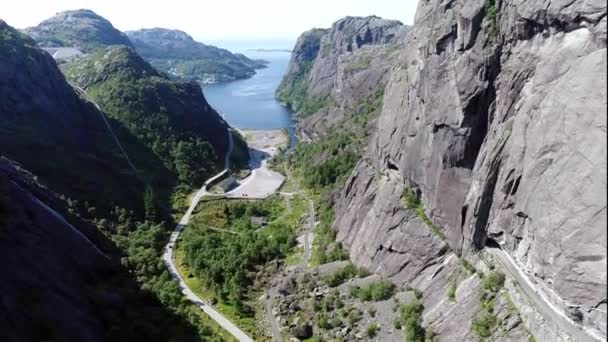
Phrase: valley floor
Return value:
(260, 184)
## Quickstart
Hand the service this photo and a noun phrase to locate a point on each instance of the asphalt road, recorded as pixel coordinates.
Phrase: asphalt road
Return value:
(540, 301)
(168, 260)
(262, 182)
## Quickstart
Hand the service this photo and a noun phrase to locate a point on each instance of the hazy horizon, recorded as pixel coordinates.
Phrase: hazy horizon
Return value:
(239, 20)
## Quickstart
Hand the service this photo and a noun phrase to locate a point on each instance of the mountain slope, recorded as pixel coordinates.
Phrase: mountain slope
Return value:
(83, 29)
(176, 53)
(488, 148)
(475, 125)
(171, 118)
(66, 280)
(313, 73)
(44, 119)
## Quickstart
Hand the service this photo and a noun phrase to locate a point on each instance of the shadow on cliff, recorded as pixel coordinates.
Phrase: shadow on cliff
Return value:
(59, 283)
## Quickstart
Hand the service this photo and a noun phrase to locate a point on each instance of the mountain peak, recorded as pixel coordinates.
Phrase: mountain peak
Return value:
(82, 29)
(83, 12)
(97, 67)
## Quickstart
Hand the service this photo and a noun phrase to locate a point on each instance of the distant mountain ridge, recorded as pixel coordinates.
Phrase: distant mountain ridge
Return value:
(68, 35)
(178, 54)
(82, 29)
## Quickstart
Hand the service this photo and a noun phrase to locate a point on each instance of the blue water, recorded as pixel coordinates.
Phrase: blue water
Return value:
(250, 103)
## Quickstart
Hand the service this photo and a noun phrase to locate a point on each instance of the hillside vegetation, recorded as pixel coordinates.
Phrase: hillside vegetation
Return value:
(171, 118)
(178, 54)
(115, 286)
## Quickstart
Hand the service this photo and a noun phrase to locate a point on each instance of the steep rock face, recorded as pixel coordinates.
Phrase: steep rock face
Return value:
(332, 72)
(495, 116)
(42, 253)
(348, 35)
(305, 51)
(83, 29)
(63, 280)
(178, 54)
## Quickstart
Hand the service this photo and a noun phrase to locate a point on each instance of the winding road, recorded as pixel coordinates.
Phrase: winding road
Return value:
(540, 301)
(168, 257)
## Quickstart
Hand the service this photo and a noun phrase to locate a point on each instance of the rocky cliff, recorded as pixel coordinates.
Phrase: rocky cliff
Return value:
(178, 54)
(493, 126)
(335, 72)
(82, 29)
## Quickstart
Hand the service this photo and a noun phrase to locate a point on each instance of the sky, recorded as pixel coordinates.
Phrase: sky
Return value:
(217, 20)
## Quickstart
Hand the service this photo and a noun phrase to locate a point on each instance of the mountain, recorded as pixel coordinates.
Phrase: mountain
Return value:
(176, 53)
(43, 118)
(67, 282)
(171, 118)
(73, 241)
(487, 159)
(335, 76)
(82, 29)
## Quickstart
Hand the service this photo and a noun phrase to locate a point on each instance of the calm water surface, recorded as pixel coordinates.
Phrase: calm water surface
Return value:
(250, 103)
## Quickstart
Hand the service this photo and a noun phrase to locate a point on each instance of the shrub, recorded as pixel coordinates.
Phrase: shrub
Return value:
(372, 330)
(467, 266)
(413, 202)
(323, 321)
(341, 275)
(359, 64)
(485, 321)
(335, 322)
(397, 323)
(452, 290)
(430, 336)
(338, 303)
(353, 317)
(494, 281)
(411, 318)
(410, 200)
(375, 291)
(490, 19)
(484, 324)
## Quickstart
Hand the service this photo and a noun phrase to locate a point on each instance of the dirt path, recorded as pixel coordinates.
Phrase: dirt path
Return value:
(105, 120)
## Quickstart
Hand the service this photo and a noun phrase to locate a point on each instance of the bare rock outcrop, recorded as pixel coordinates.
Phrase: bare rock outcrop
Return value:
(83, 29)
(494, 115)
(348, 35)
(333, 72)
